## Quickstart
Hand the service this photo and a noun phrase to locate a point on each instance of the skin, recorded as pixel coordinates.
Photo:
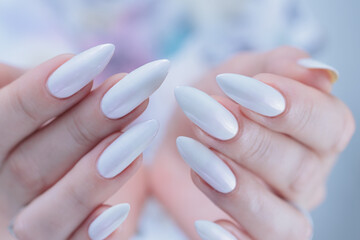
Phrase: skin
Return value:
(312, 131)
(63, 196)
(42, 196)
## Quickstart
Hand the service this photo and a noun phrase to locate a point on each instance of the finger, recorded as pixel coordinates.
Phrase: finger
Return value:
(223, 230)
(318, 120)
(236, 230)
(253, 146)
(8, 74)
(94, 179)
(135, 192)
(284, 61)
(34, 98)
(73, 134)
(246, 199)
(104, 223)
(296, 64)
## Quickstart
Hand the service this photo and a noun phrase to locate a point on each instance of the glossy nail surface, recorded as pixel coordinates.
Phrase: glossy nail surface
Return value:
(207, 164)
(252, 94)
(310, 63)
(108, 221)
(211, 231)
(134, 88)
(126, 148)
(207, 113)
(78, 71)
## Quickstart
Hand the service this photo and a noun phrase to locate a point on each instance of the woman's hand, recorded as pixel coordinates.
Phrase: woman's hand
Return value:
(62, 155)
(263, 147)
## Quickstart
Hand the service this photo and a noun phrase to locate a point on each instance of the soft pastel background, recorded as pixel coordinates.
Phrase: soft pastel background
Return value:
(32, 31)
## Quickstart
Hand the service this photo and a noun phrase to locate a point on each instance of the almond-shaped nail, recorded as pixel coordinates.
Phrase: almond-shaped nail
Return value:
(207, 113)
(78, 71)
(252, 94)
(310, 63)
(207, 164)
(211, 231)
(134, 88)
(126, 148)
(108, 221)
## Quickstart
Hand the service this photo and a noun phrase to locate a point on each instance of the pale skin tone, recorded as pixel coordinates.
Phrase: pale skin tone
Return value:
(62, 196)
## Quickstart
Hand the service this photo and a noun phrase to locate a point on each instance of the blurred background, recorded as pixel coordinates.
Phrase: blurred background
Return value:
(339, 216)
(207, 32)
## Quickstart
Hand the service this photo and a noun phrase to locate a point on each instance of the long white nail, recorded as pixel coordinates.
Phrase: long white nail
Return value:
(207, 164)
(207, 113)
(108, 221)
(134, 88)
(77, 72)
(252, 94)
(211, 231)
(314, 64)
(126, 148)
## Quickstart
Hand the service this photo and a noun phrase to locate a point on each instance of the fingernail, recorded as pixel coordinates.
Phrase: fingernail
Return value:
(77, 72)
(211, 231)
(207, 164)
(310, 63)
(134, 88)
(252, 94)
(207, 113)
(126, 148)
(108, 221)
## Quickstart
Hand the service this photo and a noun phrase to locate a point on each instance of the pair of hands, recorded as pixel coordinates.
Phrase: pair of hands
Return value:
(63, 158)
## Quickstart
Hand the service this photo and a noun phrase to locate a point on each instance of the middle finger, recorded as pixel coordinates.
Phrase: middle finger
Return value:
(286, 165)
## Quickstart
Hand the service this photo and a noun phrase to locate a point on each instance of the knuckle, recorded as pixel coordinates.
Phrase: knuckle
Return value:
(26, 172)
(23, 107)
(260, 147)
(303, 178)
(78, 198)
(319, 198)
(345, 132)
(79, 132)
(303, 118)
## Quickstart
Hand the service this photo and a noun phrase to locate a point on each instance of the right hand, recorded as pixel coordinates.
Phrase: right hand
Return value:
(56, 170)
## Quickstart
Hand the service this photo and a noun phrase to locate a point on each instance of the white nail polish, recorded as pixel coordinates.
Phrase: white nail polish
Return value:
(211, 231)
(77, 72)
(207, 113)
(126, 148)
(134, 88)
(252, 94)
(207, 164)
(108, 221)
(314, 64)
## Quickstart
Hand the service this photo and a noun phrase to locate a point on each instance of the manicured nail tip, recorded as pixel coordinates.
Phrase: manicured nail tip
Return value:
(78, 71)
(207, 113)
(108, 221)
(126, 148)
(206, 164)
(211, 231)
(252, 94)
(134, 89)
(314, 64)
